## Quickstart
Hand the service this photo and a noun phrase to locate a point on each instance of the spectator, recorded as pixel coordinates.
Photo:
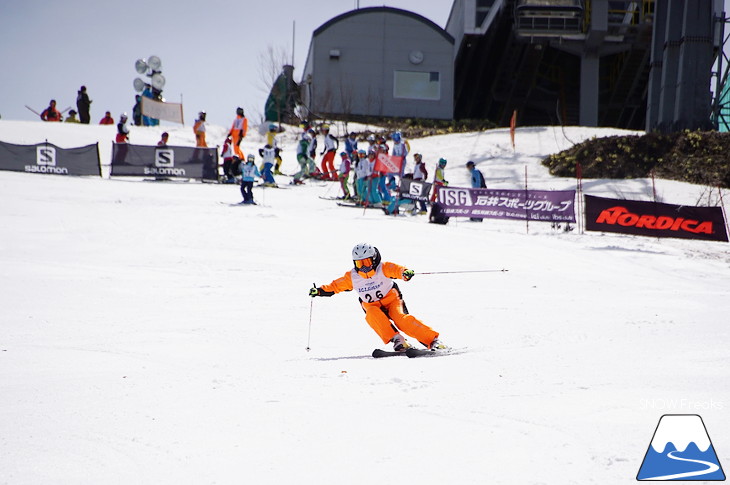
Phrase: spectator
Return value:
(72, 117)
(137, 111)
(345, 168)
(438, 178)
(268, 153)
(120, 142)
(271, 140)
(122, 129)
(477, 182)
(163, 139)
(305, 161)
(51, 113)
(83, 104)
(238, 131)
(351, 146)
(199, 130)
(107, 119)
(420, 174)
(328, 153)
(227, 154)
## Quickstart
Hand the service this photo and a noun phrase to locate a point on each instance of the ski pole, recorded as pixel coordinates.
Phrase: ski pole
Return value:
(309, 331)
(471, 271)
(34, 111)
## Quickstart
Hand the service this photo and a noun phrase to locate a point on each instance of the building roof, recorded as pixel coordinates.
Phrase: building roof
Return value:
(391, 10)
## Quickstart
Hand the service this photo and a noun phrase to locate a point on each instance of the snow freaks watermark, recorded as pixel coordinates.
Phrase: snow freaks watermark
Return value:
(533, 205)
(680, 449)
(681, 405)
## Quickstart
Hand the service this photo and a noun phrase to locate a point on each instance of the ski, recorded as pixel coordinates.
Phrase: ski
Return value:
(359, 206)
(237, 204)
(262, 186)
(378, 353)
(413, 353)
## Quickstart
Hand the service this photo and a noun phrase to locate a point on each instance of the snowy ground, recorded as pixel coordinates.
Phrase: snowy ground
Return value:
(151, 333)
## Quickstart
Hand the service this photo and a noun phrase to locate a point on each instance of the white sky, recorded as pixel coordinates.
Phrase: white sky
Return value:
(210, 50)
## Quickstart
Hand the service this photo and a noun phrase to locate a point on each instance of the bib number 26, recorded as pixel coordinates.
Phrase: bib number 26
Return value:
(378, 296)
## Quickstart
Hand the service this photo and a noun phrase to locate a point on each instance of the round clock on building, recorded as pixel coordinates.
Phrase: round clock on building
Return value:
(416, 57)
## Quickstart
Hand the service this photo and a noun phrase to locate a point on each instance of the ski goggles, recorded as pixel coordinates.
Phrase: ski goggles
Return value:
(364, 265)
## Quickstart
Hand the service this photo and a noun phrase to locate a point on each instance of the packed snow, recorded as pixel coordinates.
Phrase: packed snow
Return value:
(155, 332)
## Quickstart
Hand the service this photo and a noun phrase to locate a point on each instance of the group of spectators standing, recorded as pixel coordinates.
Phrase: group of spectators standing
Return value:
(83, 105)
(360, 181)
(83, 109)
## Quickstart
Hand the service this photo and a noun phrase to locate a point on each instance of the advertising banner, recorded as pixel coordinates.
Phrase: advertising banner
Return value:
(50, 159)
(162, 111)
(533, 205)
(654, 219)
(166, 161)
(414, 189)
(387, 163)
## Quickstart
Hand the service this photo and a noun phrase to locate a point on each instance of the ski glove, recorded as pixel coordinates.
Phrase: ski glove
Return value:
(408, 274)
(314, 291)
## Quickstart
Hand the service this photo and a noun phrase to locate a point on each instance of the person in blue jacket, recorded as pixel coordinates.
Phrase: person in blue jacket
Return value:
(477, 182)
(249, 172)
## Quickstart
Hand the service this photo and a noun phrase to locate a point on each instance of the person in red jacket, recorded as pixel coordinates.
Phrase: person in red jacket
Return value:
(381, 299)
(51, 113)
(107, 119)
(122, 130)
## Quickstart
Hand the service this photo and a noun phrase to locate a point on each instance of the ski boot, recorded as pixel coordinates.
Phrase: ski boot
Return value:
(437, 345)
(400, 344)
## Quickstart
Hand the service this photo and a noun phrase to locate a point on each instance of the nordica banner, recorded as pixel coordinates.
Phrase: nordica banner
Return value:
(48, 158)
(167, 161)
(654, 219)
(533, 205)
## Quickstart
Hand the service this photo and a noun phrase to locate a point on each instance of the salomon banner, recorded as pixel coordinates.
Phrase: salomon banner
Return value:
(48, 158)
(533, 205)
(414, 189)
(654, 219)
(165, 161)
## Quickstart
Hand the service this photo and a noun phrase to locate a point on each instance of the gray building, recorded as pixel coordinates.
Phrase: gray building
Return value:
(380, 61)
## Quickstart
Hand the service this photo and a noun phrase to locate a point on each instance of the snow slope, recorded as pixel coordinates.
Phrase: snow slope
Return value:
(151, 333)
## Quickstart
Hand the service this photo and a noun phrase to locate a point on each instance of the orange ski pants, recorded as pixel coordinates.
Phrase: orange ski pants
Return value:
(328, 165)
(236, 142)
(389, 315)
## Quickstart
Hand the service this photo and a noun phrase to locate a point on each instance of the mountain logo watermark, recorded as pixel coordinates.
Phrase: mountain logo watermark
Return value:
(681, 450)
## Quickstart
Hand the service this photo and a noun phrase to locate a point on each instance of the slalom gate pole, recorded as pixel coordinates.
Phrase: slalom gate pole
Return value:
(527, 214)
(468, 271)
(309, 331)
(722, 204)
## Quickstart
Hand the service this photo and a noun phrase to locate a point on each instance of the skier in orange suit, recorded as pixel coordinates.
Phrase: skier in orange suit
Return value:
(380, 298)
(238, 132)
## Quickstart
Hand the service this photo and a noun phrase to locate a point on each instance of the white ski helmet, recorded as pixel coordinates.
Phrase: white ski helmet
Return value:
(364, 251)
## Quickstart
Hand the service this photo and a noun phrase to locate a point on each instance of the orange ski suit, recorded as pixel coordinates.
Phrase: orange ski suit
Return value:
(238, 132)
(380, 298)
(199, 134)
